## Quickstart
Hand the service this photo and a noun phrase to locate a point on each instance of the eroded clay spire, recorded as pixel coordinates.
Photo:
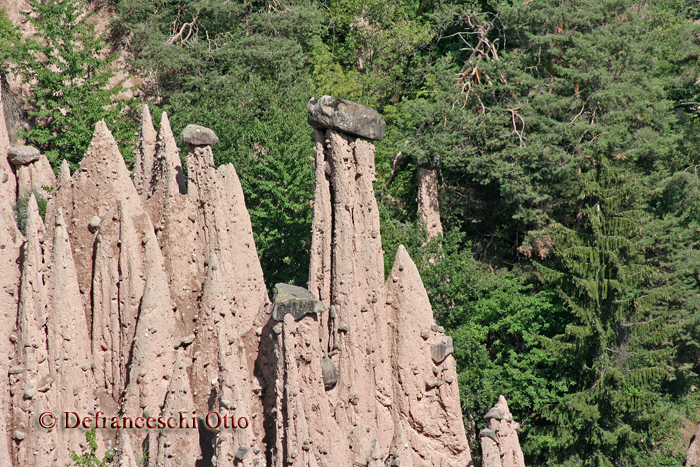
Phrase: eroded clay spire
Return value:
(101, 181)
(126, 254)
(10, 241)
(63, 174)
(152, 357)
(36, 177)
(68, 341)
(167, 146)
(395, 376)
(428, 204)
(224, 236)
(34, 391)
(425, 377)
(499, 442)
(347, 272)
(144, 155)
(179, 446)
(61, 199)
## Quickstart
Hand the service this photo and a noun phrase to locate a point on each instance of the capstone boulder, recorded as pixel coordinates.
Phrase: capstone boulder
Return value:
(199, 136)
(294, 300)
(21, 155)
(328, 112)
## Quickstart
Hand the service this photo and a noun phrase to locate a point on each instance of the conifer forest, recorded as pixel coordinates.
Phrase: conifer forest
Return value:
(563, 142)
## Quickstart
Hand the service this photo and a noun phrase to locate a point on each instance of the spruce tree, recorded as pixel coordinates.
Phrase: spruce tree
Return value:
(616, 351)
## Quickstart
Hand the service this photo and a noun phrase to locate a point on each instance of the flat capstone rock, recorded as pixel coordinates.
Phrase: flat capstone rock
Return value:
(345, 116)
(199, 136)
(22, 155)
(294, 300)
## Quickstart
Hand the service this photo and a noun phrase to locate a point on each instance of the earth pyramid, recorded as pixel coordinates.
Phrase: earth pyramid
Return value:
(139, 296)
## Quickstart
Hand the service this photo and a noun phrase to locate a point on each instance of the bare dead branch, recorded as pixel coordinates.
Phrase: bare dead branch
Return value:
(395, 167)
(577, 115)
(514, 113)
(191, 25)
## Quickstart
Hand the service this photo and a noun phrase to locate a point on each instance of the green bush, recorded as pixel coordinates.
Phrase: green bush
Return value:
(20, 209)
(68, 66)
(89, 458)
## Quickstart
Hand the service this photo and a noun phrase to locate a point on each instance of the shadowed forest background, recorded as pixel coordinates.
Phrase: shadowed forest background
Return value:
(565, 138)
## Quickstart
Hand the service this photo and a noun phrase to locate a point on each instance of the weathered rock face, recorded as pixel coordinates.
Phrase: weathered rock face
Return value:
(428, 205)
(36, 177)
(10, 242)
(21, 155)
(153, 348)
(199, 136)
(693, 453)
(499, 442)
(141, 296)
(296, 301)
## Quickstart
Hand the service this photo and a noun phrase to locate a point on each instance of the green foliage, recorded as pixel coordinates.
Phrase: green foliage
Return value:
(89, 458)
(11, 45)
(329, 77)
(20, 209)
(615, 352)
(240, 69)
(280, 186)
(377, 41)
(12, 51)
(68, 66)
(497, 323)
(576, 81)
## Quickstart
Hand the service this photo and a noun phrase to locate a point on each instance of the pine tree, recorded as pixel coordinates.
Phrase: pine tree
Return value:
(536, 91)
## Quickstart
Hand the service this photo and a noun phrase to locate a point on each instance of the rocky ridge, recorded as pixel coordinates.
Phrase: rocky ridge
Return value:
(141, 295)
